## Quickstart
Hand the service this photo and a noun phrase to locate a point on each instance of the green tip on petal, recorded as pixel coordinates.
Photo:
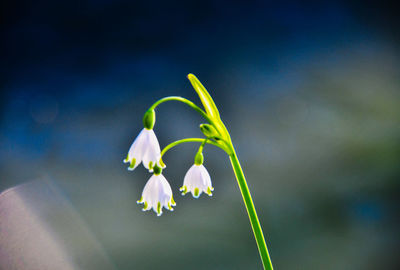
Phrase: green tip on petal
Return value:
(145, 206)
(132, 165)
(140, 200)
(150, 165)
(170, 207)
(173, 203)
(209, 189)
(159, 209)
(196, 192)
(183, 189)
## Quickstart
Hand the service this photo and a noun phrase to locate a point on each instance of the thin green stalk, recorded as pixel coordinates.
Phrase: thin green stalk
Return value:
(183, 100)
(202, 140)
(251, 211)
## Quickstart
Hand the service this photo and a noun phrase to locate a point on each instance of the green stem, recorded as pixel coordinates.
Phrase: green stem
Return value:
(169, 146)
(184, 100)
(202, 145)
(251, 211)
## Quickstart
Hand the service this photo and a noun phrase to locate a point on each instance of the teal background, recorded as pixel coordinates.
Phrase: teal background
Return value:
(309, 92)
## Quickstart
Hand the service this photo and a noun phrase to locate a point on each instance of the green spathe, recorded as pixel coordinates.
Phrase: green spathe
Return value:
(205, 97)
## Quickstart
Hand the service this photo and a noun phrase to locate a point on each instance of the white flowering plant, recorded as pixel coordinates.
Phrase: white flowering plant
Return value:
(157, 193)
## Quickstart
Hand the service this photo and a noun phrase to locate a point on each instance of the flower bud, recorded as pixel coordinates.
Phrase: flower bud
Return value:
(208, 130)
(149, 119)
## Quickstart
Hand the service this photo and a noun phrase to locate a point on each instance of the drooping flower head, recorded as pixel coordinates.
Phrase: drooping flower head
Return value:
(145, 148)
(197, 179)
(157, 193)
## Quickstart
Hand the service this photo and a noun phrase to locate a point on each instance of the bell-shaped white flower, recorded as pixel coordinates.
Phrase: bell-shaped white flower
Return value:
(157, 194)
(196, 181)
(144, 149)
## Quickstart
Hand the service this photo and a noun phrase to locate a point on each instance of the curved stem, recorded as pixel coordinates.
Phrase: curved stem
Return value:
(169, 146)
(202, 145)
(251, 211)
(184, 100)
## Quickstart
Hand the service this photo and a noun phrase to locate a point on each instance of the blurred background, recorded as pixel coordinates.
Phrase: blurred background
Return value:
(310, 92)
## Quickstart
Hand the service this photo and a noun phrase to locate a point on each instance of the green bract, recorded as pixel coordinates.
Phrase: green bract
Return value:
(209, 131)
(205, 97)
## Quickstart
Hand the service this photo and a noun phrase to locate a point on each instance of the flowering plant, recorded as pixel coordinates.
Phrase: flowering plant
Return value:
(157, 193)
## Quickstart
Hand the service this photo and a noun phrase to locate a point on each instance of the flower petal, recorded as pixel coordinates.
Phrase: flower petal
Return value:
(136, 151)
(157, 194)
(196, 181)
(152, 154)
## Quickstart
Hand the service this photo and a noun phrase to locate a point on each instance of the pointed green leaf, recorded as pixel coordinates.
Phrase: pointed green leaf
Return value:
(205, 97)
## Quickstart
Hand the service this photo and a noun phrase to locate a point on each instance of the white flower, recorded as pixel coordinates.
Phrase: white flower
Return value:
(144, 149)
(197, 180)
(157, 194)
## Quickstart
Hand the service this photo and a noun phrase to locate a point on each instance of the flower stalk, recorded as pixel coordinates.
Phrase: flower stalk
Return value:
(251, 211)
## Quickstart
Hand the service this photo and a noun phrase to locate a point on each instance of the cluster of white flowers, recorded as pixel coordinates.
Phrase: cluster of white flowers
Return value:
(157, 192)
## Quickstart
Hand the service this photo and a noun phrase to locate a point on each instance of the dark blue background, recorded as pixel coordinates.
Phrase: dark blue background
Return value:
(309, 91)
